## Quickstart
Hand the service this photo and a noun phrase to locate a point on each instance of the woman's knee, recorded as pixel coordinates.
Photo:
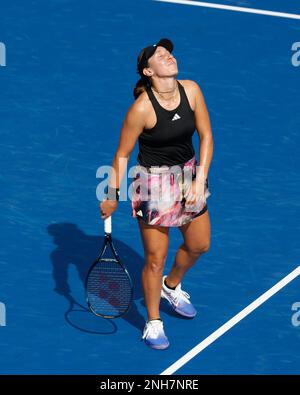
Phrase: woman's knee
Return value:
(198, 249)
(156, 262)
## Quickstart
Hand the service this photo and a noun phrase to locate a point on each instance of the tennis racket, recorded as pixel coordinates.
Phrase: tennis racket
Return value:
(109, 290)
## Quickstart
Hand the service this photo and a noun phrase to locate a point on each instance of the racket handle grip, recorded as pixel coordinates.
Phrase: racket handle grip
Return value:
(107, 225)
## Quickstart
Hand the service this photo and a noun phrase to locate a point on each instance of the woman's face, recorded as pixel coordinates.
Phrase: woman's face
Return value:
(162, 63)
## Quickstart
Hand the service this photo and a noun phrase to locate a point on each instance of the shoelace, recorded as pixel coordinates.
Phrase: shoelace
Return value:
(156, 327)
(177, 294)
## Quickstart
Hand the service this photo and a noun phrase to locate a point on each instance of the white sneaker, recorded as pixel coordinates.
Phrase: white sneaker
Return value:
(178, 299)
(154, 335)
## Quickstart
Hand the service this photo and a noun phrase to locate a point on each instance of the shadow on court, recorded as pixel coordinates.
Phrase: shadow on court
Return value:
(74, 247)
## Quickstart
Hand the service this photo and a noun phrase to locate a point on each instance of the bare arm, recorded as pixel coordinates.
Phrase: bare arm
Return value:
(132, 127)
(204, 130)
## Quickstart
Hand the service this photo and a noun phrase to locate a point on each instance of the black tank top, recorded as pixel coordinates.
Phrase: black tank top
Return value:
(169, 142)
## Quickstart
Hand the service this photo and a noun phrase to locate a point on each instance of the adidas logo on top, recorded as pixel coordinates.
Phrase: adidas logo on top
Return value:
(176, 116)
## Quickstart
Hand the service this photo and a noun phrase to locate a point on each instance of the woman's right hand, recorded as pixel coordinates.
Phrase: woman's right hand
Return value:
(107, 207)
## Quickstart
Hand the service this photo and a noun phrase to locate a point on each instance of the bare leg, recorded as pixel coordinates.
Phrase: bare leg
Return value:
(196, 236)
(155, 242)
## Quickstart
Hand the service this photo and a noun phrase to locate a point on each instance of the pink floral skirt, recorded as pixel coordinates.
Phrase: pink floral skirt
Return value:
(159, 194)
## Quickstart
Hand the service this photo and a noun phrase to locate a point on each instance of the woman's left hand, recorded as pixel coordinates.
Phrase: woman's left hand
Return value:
(195, 196)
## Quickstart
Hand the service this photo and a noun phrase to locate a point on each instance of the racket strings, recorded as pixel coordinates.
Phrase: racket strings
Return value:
(108, 288)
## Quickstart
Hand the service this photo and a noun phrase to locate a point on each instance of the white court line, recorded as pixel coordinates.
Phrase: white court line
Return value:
(233, 321)
(233, 8)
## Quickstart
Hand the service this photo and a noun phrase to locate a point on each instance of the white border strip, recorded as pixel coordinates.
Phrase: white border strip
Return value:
(233, 8)
(233, 321)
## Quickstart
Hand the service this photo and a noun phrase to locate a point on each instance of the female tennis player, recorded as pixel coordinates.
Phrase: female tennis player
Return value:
(163, 118)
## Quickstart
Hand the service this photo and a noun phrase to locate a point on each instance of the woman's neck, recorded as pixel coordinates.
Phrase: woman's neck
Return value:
(167, 96)
(166, 86)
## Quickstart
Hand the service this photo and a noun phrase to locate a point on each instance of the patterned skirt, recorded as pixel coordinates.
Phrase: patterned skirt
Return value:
(159, 194)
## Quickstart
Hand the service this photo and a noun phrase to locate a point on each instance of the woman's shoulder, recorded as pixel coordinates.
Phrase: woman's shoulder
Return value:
(189, 84)
(141, 105)
(191, 89)
(142, 102)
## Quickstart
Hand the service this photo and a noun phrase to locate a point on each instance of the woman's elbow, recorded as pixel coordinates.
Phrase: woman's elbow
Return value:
(122, 154)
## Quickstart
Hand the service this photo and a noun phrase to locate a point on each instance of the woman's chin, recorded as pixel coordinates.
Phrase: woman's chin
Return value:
(173, 72)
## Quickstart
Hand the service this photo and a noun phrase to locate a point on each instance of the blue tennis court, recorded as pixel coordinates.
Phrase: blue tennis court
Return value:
(66, 86)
